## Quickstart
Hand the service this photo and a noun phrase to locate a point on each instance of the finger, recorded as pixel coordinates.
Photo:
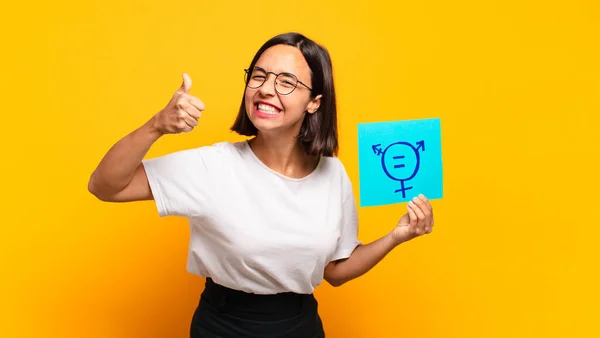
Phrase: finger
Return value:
(184, 122)
(429, 227)
(412, 215)
(427, 203)
(184, 108)
(425, 207)
(192, 112)
(421, 216)
(422, 206)
(182, 126)
(430, 223)
(419, 208)
(413, 220)
(196, 102)
(429, 214)
(186, 85)
(190, 121)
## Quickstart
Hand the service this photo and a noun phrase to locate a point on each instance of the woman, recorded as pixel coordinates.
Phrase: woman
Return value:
(270, 217)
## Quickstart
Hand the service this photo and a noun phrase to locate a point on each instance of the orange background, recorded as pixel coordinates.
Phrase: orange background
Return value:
(516, 83)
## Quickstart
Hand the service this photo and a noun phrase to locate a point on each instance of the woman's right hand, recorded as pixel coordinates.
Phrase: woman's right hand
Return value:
(181, 113)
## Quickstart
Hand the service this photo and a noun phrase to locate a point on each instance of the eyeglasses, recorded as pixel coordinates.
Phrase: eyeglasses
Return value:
(285, 83)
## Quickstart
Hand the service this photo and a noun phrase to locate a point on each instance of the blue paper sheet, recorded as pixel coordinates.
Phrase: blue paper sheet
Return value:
(398, 160)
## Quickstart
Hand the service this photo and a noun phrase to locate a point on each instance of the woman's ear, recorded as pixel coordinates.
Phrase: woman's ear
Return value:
(314, 104)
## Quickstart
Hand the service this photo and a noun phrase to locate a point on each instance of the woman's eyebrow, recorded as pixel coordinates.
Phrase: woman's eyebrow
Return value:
(264, 71)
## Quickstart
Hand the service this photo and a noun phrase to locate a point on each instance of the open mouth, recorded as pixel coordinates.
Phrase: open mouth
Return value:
(266, 109)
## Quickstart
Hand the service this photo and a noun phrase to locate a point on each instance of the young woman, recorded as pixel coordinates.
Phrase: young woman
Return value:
(270, 217)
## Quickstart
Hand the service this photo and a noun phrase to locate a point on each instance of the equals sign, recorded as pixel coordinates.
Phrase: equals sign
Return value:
(398, 165)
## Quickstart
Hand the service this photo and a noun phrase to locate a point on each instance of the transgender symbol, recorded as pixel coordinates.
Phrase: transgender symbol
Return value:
(400, 161)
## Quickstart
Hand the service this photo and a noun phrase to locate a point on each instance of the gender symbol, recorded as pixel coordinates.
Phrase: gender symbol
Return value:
(400, 152)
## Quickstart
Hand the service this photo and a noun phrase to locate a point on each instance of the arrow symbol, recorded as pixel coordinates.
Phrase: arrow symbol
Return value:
(376, 149)
(421, 145)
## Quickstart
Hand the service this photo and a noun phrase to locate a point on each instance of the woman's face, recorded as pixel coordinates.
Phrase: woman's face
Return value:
(269, 110)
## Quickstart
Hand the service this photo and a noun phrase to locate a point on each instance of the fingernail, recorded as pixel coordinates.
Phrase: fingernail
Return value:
(415, 199)
(421, 196)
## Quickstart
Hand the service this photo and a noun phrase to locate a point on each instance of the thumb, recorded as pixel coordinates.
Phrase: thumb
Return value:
(404, 220)
(186, 85)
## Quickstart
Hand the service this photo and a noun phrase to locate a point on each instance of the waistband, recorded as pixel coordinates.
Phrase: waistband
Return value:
(258, 306)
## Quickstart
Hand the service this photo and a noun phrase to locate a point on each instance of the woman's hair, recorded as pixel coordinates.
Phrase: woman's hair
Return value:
(318, 133)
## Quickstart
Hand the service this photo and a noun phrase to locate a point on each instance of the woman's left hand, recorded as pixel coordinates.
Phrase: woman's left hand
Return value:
(416, 222)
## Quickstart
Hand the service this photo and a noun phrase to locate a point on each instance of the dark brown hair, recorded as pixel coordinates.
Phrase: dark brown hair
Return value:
(318, 133)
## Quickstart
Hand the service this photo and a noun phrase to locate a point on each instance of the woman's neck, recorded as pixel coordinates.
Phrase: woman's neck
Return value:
(283, 154)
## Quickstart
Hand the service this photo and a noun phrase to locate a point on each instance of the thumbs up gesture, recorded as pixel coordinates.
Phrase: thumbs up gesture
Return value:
(181, 113)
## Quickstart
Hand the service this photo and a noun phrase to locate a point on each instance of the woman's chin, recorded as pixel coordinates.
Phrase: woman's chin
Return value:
(266, 122)
(266, 126)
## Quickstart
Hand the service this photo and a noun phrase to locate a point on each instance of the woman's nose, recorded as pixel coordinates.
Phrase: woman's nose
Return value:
(268, 87)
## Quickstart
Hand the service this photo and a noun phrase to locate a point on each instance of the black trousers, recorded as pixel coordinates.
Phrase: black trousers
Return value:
(227, 313)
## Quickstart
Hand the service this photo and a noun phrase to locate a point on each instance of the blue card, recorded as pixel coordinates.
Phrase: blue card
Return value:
(399, 160)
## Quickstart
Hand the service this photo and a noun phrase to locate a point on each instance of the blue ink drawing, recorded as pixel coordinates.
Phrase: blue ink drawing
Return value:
(393, 164)
(407, 172)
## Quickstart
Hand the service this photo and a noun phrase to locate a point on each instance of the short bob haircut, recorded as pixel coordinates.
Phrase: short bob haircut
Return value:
(318, 133)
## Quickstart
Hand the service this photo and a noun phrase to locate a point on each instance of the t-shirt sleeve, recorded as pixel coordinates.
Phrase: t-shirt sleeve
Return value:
(348, 240)
(182, 182)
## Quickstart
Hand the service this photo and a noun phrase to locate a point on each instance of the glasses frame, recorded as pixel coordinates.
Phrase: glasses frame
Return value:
(247, 80)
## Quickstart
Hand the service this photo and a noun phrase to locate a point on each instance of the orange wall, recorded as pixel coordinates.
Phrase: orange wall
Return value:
(516, 83)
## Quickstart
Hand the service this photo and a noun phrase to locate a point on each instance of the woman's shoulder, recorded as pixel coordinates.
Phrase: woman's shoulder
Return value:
(333, 166)
(334, 170)
(333, 163)
(213, 153)
(221, 148)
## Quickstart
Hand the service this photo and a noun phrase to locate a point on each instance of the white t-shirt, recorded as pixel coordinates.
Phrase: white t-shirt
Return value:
(251, 228)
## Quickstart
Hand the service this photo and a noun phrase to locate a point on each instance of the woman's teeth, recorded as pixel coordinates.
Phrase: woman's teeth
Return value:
(265, 108)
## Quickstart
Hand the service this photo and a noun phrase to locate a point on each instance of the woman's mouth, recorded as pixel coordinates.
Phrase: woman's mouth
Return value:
(265, 110)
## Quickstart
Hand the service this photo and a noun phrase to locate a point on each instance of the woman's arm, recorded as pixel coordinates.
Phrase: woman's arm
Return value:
(120, 176)
(417, 221)
(364, 258)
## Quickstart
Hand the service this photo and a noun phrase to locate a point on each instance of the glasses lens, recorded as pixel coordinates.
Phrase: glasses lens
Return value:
(255, 78)
(286, 83)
